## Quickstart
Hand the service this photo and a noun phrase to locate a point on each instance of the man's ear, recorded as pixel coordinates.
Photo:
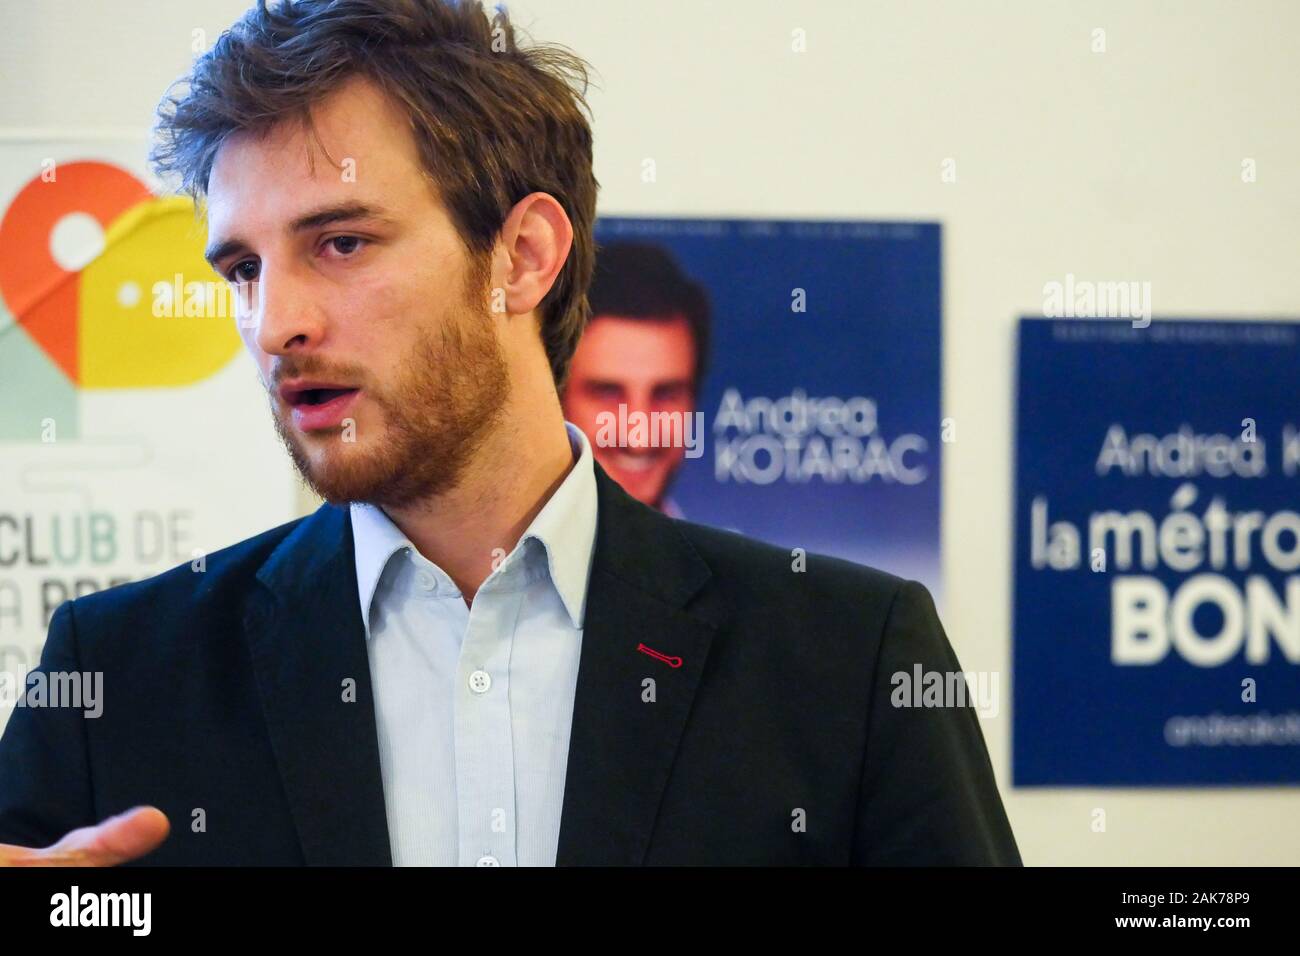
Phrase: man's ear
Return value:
(536, 238)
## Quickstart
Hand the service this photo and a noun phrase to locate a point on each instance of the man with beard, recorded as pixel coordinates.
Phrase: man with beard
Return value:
(479, 650)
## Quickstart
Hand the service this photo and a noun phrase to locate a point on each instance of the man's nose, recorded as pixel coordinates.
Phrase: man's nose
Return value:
(284, 314)
(639, 401)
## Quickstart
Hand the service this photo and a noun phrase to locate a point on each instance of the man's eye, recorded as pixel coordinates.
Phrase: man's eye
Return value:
(345, 245)
(245, 271)
(671, 393)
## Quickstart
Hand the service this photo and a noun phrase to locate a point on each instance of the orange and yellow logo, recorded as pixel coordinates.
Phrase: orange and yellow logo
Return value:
(85, 250)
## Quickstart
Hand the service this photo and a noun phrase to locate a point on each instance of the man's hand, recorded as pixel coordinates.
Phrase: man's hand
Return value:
(118, 839)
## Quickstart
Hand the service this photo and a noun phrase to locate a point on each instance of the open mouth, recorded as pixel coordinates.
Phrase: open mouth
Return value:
(320, 407)
(318, 396)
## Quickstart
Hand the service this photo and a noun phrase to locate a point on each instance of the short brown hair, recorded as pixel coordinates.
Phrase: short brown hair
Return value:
(643, 281)
(493, 121)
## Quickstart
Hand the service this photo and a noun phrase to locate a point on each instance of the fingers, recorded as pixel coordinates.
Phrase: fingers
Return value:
(117, 840)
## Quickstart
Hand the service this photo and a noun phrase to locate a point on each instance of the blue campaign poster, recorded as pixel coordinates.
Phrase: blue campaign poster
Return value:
(820, 402)
(1157, 542)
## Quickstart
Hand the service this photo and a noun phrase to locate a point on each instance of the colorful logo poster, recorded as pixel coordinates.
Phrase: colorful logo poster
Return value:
(134, 437)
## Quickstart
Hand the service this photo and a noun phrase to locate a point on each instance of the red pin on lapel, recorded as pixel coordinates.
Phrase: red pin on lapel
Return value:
(670, 661)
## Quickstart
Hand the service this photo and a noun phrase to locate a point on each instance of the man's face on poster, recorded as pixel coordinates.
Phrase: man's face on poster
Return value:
(647, 365)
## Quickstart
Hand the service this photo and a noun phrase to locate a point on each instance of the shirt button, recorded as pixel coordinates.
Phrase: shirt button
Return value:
(488, 860)
(426, 581)
(480, 681)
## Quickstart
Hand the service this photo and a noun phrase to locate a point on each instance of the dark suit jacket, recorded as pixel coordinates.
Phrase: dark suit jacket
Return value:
(223, 692)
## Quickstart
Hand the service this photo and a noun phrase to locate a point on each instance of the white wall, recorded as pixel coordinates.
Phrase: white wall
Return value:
(1122, 165)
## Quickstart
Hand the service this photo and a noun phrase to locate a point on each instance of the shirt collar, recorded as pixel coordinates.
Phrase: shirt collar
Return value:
(565, 527)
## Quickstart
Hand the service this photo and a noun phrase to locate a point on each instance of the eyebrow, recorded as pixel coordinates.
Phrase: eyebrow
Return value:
(684, 382)
(326, 215)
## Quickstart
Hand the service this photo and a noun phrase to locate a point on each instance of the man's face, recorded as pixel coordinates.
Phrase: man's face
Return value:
(647, 365)
(368, 319)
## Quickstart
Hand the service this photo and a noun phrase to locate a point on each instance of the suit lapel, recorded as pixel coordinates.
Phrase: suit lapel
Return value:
(621, 746)
(306, 640)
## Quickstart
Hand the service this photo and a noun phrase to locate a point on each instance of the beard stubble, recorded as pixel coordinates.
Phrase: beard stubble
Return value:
(448, 398)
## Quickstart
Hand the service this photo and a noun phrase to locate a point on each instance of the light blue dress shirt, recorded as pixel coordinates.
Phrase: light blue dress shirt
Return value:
(474, 704)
